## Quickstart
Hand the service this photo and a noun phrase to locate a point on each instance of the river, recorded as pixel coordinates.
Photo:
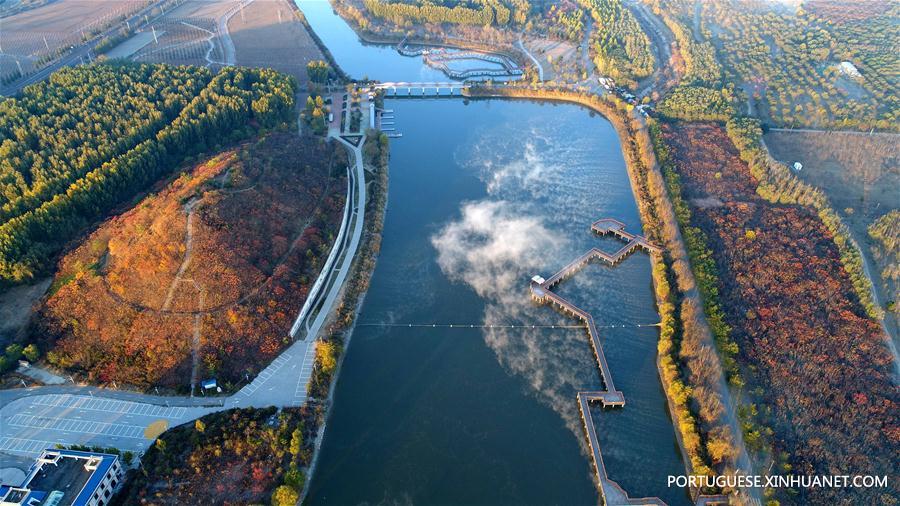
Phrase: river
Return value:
(482, 196)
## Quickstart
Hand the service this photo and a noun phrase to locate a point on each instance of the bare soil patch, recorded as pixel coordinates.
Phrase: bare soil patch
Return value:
(15, 308)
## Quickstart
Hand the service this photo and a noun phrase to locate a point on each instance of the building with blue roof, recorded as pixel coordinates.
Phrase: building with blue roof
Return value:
(67, 478)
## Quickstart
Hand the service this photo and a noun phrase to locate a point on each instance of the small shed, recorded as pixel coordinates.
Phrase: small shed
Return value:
(209, 384)
(798, 166)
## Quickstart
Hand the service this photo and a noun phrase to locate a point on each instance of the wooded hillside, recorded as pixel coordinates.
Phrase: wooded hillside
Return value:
(204, 278)
(94, 136)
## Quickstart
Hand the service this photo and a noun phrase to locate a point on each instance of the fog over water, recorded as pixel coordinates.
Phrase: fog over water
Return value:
(483, 195)
(502, 191)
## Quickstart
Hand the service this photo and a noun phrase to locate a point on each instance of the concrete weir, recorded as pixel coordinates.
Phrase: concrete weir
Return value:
(541, 291)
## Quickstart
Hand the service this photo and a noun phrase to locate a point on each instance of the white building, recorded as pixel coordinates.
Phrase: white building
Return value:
(67, 478)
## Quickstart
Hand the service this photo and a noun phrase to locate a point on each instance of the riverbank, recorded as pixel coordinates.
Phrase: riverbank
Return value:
(369, 37)
(322, 47)
(352, 298)
(680, 373)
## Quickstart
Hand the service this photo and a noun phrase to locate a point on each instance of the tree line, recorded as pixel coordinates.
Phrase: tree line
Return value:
(885, 231)
(247, 456)
(621, 48)
(57, 131)
(776, 183)
(700, 94)
(401, 12)
(689, 369)
(808, 351)
(226, 108)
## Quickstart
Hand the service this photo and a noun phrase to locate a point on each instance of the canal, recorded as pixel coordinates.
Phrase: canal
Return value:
(482, 196)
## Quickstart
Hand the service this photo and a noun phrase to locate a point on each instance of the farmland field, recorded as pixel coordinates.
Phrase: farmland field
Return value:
(61, 24)
(269, 34)
(265, 33)
(188, 35)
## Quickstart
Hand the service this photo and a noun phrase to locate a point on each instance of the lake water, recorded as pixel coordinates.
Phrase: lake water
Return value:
(482, 196)
(359, 60)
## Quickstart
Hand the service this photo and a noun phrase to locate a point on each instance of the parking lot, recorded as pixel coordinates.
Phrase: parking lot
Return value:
(31, 424)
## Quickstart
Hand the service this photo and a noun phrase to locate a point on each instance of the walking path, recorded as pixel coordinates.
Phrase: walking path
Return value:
(848, 132)
(541, 291)
(537, 64)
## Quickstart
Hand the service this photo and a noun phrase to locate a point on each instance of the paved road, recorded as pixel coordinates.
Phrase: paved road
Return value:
(848, 132)
(285, 381)
(32, 419)
(661, 40)
(78, 55)
(228, 49)
(537, 64)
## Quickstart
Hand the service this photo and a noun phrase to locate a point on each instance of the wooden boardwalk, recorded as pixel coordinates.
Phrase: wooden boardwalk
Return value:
(541, 291)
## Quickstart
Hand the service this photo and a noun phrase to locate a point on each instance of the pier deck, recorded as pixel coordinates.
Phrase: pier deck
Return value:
(541, 291)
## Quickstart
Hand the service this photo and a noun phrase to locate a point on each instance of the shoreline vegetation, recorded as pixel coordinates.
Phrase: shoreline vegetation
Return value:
(782, 346)
(686, 359)
(319, 43)
(352, 16)
(330, 351)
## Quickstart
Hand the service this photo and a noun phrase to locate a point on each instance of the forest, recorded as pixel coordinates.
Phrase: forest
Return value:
(202, 278)
(885, 234)
(59, 130)
(564, 20)
(777, 184)
(239, 456)
(621, 49)
(697, 103)
(813, 361)
(79, 173)
(400, 12)
(787, 62)
(701, 94)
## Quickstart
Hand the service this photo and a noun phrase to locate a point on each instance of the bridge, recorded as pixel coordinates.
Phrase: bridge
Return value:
(541, 291)
(412, 89)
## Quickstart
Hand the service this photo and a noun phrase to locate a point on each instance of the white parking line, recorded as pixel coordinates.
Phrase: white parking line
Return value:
(82, 427)
(108, 405)
(30, 447)
(267, 373)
